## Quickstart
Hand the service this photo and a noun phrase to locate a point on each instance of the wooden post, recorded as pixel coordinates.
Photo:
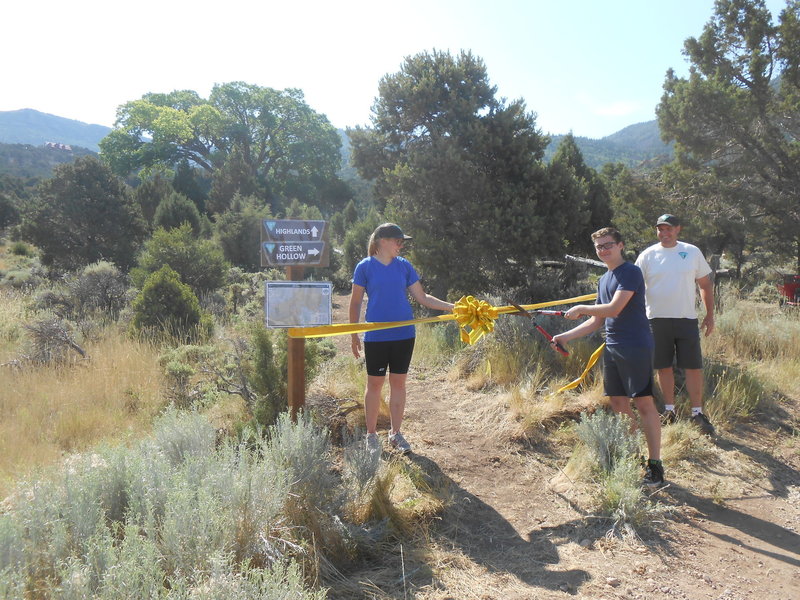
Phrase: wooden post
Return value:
(297, 359)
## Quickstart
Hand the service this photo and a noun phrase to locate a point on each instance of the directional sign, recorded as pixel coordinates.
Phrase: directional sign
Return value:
(292, 242)
(286, 230)
(278, 254)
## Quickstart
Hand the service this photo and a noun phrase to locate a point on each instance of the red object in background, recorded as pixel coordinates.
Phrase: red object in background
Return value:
(790, 290)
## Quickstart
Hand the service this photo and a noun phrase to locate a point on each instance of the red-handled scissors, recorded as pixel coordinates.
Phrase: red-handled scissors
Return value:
(525, 313)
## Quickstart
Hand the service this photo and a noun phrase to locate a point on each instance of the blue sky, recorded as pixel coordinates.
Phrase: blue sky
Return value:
(587, 66)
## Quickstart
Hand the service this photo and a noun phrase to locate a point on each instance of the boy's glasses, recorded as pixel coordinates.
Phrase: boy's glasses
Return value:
(606, 246)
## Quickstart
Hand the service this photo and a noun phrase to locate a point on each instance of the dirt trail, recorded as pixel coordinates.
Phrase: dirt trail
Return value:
(522, 536)
(516, 527)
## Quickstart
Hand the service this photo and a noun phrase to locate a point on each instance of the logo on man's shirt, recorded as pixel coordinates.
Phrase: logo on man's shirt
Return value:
(683, 254)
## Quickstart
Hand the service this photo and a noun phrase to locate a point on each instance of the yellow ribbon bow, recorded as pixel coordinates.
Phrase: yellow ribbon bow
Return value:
(474, 317)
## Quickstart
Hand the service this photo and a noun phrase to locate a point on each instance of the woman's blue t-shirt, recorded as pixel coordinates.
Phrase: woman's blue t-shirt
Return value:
(630, 326)
(387, 296)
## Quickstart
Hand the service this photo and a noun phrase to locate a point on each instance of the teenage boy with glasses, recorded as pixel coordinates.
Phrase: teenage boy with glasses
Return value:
(628, 354)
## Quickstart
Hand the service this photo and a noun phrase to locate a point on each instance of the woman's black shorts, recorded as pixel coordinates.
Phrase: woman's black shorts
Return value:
(395, 354)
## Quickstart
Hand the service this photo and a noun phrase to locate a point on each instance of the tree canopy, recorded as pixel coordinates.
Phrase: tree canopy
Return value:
(81, 215)
(735, 120)
(460, 169)
(277, 139)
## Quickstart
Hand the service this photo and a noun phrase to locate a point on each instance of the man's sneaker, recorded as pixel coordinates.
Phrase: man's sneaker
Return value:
(668, 417)
(653, 474)
(398, 442)
(373, 443)
(703, 424)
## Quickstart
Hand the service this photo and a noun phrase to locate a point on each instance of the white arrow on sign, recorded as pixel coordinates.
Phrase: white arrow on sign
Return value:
(314, 231)
(313, 251)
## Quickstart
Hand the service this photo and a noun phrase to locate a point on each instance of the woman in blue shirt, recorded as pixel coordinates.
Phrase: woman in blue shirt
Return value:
(387, 279)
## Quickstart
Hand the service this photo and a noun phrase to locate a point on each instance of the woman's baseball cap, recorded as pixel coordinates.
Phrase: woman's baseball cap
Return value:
(390, 231)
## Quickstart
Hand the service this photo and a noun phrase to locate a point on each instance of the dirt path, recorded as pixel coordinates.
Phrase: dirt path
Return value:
(518, 534)
(516, 527)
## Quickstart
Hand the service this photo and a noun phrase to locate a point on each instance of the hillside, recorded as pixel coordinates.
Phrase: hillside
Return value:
(632, 146)
(26, 161)
(28, 126)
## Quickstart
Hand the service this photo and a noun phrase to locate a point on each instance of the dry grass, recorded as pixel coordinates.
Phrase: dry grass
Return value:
(12, 318)
(47, 411)
(342, 377)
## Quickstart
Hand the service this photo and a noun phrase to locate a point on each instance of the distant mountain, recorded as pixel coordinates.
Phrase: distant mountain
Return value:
(638, 145)
(28, 126)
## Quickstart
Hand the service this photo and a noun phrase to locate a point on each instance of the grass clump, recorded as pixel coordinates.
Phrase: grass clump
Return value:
(615, 467)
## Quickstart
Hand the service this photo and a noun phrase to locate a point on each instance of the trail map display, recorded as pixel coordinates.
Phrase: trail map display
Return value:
(297, 303)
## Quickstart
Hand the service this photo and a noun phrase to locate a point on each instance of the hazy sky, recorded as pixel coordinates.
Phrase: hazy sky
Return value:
(587, 66)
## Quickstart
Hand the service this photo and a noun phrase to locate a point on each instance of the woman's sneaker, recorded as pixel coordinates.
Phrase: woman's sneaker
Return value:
(653, 474)
(398, 442)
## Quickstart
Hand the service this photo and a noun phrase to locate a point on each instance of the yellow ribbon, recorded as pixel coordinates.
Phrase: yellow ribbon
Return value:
(484, 311)
(474, 317)
(592, 360)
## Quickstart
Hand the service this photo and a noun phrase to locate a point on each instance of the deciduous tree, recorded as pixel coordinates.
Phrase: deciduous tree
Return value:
(279, 141)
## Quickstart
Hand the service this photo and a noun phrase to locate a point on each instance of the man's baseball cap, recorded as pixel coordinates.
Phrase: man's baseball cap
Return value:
(390, 231)
(668, 219)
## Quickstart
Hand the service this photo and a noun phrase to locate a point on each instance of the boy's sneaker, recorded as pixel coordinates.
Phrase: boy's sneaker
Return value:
(703, 424)
(668, 417)
(398, 442)
(653, 474)
(373, 443)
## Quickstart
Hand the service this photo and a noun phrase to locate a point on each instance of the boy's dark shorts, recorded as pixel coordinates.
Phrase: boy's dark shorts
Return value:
(628, 371)
(395, 354)
(677, 337)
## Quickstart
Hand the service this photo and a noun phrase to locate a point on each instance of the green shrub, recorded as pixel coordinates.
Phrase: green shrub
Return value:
(617, 470)
(167, 306)
(316, 352)
(19, 279)
(175, 210)
(735, 393)
(267, 379)
(200, 263)
(173, 517)
(238, 231)
(607, 436)
(21, 249)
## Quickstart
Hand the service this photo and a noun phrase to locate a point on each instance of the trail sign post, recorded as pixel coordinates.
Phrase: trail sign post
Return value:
(287, 242)
(295, 244)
